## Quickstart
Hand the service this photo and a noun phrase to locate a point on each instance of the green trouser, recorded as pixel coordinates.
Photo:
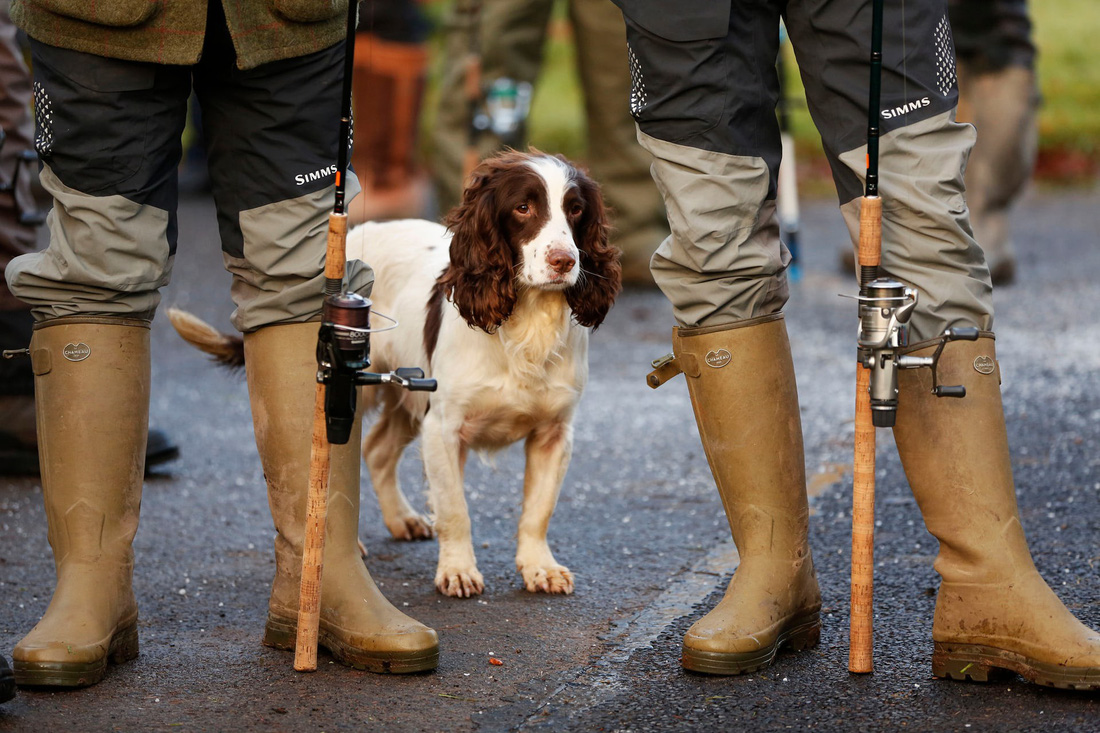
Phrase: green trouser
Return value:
(510, 37)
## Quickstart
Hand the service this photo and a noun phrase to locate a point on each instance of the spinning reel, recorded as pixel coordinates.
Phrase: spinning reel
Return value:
(885, 306)
(343, 353)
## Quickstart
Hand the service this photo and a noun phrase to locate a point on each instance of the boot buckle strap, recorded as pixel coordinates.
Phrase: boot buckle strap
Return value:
(664, 369)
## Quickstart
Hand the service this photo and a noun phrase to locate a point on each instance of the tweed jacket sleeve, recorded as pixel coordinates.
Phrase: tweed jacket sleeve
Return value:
(171, 31)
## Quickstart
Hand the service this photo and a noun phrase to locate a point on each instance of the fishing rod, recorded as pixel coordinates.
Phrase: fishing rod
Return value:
(343, 351)
(885, 306)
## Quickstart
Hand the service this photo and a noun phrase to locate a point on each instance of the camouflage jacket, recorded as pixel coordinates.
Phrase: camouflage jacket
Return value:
(171, 31)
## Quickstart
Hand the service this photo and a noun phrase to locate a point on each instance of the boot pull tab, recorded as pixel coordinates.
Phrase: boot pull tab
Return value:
(664, 369)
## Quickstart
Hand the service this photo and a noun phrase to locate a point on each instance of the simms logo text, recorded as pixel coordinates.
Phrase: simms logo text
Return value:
(302, 179)
(905, 108)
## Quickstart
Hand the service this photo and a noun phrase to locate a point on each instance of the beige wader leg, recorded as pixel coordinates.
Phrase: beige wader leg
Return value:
(741, 381)
(358, 625)
(994, 611)
(92, 393)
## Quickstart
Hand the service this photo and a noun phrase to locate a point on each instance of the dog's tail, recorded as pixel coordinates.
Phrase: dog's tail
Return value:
(225, 349)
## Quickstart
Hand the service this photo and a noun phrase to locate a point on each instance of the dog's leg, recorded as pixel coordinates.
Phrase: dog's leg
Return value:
(382, 450)
(445, 464)
(548, 451)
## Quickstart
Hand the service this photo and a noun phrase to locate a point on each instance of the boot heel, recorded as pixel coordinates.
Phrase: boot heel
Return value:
(806, 636)
(965, 662)
(124, 645)
(280, 633)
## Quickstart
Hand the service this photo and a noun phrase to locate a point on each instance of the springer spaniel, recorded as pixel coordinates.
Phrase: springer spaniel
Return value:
(496, 306)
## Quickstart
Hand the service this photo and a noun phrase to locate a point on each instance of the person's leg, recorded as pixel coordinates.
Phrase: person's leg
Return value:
(18, 444)
(272, 135)
(509, 36)
(614, 156)
(705, 109)
(993, 610)
(108, 135)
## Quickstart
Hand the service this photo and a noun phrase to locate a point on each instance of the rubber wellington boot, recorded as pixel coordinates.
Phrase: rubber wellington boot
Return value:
(358, 625)
(92, 391)
(741, 382)
(994, 613)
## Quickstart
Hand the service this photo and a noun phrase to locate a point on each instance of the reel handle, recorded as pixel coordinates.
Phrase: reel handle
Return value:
(421, 385)
(946, 391)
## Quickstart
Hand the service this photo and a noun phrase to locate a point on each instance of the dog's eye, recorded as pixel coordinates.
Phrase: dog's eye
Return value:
(523, 209)
(576, 210)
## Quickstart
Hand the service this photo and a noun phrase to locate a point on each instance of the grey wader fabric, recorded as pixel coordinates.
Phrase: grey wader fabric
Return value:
(108, 132)
(704, 96)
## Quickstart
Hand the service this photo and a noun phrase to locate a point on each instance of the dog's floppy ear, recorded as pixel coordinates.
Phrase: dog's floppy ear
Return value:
(480, 279)
(601, 274)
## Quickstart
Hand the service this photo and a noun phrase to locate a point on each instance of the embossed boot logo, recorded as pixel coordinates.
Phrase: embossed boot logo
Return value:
(76, 352)
(984, 365)
(719, 358)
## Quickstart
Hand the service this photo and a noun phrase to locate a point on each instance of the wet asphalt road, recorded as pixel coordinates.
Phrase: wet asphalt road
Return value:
(638, 522)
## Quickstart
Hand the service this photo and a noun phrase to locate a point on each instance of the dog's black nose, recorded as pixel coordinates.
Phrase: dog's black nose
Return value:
(560, 261)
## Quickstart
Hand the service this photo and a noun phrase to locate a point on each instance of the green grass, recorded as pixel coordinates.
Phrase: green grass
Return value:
(1069, 76)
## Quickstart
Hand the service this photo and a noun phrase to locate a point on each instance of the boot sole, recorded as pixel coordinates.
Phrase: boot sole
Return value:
(979, 663)
(802, 633)
(282, 634)
(123, 648)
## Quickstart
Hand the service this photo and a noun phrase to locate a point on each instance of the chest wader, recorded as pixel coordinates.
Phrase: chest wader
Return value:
(994, 612)
(92, 394)
(741, 381)
(358, 625)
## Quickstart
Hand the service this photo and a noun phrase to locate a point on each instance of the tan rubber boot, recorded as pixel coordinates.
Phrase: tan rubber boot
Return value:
(742, 387)
(92, 392)
(358, 625)
(994, 612)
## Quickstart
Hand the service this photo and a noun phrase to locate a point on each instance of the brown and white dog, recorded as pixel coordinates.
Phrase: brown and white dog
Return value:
(496, 306)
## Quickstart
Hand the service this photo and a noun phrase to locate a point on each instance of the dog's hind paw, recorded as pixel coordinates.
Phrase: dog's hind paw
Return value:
(551, 579)
(410, 527)
(459, 583)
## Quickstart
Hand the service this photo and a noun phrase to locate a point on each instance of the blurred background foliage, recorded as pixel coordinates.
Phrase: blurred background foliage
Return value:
(1069, 77)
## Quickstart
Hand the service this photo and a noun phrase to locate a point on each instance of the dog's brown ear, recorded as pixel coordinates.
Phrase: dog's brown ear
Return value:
(480, 279)
(601, 273)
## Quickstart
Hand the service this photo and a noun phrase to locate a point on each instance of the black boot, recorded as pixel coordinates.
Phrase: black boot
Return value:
(7, 681)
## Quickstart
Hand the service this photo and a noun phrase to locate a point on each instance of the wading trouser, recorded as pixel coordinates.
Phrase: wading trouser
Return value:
(108, 133)
(704, 101)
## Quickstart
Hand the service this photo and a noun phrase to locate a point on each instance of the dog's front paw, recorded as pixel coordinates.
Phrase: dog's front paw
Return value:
(549, 578)
(410, 527)
(463, 582)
